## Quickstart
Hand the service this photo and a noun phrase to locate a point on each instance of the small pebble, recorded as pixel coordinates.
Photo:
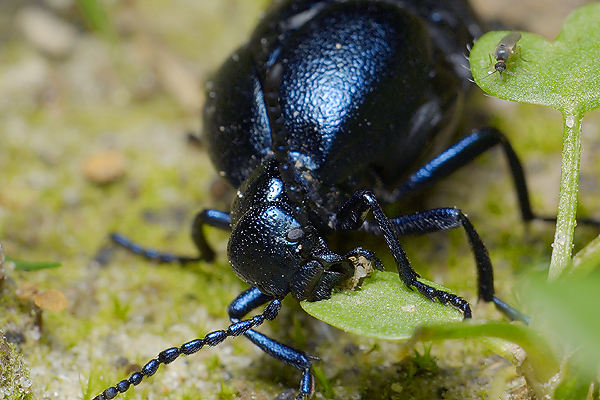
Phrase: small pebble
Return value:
(46, 32)
(104, 166)
(52, 300)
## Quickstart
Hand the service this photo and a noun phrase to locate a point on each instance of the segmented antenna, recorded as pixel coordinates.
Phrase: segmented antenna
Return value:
(169, 355)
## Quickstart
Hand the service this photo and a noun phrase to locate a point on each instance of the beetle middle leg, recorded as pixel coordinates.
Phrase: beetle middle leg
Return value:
(210, 217)
(351, 216)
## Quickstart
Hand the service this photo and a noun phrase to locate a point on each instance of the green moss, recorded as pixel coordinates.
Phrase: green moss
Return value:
(15, 383)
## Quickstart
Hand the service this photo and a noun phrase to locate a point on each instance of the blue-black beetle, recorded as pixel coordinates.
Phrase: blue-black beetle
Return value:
(330, 106)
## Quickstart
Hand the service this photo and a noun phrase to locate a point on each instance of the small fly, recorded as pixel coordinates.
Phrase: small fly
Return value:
(506, 48)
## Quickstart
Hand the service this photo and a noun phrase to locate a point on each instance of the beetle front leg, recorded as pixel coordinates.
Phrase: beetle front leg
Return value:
(441, 219)
(251, 299)
(215, 218)
(351, 216)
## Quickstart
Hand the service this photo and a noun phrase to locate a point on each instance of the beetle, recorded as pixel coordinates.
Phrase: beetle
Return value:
(329, 108)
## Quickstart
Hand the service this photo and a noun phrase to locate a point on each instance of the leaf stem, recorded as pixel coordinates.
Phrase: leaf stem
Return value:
(562, 247)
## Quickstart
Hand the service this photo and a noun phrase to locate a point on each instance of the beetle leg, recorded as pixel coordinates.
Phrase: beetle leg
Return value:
(218, 219)
(215, 218)
(246, 302)
(214, 338)
(351, 216)
(441, 219)
(462, 153)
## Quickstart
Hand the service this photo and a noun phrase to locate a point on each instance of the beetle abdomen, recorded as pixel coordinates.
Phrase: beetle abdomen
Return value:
(339, 92)
(355, 92)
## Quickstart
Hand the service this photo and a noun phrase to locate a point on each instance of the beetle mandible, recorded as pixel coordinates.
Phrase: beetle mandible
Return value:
(330, 107)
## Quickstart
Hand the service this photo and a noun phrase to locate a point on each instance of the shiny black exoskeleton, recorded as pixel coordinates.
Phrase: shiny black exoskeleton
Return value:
(330, 106)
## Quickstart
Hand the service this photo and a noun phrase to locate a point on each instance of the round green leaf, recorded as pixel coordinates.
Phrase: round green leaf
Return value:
(382, 308)
(564, 74)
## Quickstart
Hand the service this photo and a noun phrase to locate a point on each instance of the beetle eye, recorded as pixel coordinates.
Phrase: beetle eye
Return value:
(294, 235)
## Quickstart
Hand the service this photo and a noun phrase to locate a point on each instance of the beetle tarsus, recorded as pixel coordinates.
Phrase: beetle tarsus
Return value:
(444, 297)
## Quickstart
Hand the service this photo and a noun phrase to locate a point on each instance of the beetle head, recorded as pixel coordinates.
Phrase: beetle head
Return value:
(271, 249)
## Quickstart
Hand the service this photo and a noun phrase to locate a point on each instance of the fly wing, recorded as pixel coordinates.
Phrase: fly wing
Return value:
(509, 41)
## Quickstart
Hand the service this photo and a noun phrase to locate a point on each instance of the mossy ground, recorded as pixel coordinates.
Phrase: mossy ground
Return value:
(15, 383)
(57, 112)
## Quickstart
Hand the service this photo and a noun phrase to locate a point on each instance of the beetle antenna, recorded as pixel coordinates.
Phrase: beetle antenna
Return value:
(169, 355)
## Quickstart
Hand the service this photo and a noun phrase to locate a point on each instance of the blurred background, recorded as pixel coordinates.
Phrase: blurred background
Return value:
(97, 103)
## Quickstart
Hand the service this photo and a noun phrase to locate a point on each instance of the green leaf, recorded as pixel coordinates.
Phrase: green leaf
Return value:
(21, 265)
(588, 258)
(539, 353)
(566, 310)
(540, 368)
(572, 388)
(325, 385)
(382, 308)
(97, 18)
(564, 74)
